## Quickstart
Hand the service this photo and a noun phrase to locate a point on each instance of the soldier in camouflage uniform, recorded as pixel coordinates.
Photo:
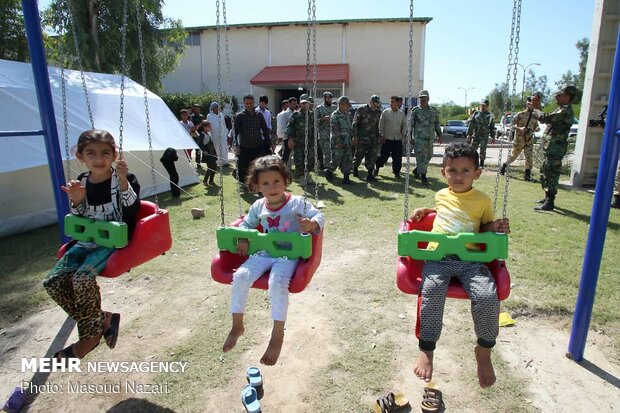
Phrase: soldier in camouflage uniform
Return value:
(480, 127)
(296, 133)
(555, 142)
(524, 124)
(341, 146)
(323, 114)
(424, 125)
(365, 132)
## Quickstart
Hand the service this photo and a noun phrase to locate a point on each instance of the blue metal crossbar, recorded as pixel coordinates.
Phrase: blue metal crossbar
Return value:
(10, 134)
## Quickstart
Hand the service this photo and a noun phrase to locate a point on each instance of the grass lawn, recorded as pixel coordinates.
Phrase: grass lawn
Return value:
(546, 253)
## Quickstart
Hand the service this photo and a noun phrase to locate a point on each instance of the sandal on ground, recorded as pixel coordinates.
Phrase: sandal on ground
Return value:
(255, 379)
(432, 401)
(249, 398)
(111, 334)
(16, 401)
(68, 353)
(391, 403)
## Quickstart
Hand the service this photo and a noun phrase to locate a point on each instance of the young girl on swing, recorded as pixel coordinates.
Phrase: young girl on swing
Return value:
(104, 193)
(277, 211)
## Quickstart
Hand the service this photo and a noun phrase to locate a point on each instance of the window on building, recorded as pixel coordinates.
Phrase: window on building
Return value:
(193, 39)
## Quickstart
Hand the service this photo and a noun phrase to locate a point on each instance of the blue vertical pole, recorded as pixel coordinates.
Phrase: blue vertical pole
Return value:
(46, 108)
(600, 215)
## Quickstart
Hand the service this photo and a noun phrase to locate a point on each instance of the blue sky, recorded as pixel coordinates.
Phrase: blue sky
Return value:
(466, 42)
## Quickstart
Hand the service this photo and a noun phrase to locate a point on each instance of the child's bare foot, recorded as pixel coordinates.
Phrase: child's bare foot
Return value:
(424, 366)
(233, 336)
(486, 374)
(270, 358)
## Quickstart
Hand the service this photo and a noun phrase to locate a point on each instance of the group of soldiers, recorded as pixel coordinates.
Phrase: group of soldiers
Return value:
(345, 141)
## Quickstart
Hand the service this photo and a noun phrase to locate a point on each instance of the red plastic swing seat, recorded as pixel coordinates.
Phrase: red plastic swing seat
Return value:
(225, 263)
(151, 238)
(409, 272)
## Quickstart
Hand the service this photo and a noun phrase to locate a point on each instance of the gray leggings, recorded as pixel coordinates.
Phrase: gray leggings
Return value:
(479, 284)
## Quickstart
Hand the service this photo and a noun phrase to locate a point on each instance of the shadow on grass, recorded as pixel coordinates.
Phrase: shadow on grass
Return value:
(134, 405)
(584, 218)
(600, 373)
(25, 262)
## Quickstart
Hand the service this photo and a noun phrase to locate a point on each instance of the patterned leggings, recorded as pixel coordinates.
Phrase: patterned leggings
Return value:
(282, 270)
(479, 285)
(72, 284)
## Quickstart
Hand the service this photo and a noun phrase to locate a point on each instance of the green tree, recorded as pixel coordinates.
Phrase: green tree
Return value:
(538, 84)
(98, 27)
(582, 45)
(13, 43)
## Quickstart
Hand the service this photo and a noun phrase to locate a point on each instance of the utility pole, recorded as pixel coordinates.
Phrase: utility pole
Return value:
(465, 89)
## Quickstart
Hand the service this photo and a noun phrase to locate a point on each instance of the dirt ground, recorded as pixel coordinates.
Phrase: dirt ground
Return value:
(349, 340)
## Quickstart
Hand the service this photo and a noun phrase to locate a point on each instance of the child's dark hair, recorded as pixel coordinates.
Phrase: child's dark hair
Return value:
(461, 150)
(95, 135)
(266, 164)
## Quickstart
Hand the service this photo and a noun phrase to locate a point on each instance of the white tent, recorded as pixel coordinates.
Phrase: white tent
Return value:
(27, 200)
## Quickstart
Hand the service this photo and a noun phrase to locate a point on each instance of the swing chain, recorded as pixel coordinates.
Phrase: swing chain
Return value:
(514, 89)
(230, 96)
(218, 41)
(76, 45)
(123, 74)
(146, 103)
(409, 98)
(63, 90)
(62, 60)
(316, 120)
(307, 114)
(514, 45)
(219, 91)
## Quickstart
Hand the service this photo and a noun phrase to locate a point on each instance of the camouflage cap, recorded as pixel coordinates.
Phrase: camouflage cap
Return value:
(343, 99)
(570, 89)
(423, 93)
(304, 98)
(376, 99)
(328, 95)
(484, 102)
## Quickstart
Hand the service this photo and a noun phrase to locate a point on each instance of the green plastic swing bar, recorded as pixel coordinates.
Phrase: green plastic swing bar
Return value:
(277, 244)
(109, 234)
(496, 246)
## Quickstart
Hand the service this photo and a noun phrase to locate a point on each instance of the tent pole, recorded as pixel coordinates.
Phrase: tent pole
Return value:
(598, 222)
(46, 108)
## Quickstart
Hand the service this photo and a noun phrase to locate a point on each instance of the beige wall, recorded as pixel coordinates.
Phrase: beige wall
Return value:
(377, 54)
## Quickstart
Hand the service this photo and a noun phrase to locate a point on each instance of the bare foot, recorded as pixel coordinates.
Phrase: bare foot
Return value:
(424, 366)
(486, 374)
(270, 358)
(233, 336)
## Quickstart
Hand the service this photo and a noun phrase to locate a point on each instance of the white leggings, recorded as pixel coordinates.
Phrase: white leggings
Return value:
(282, 270)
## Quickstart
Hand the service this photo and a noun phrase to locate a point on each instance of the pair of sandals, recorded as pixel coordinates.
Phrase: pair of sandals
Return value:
(110, 336)
(432, 401)
(391, 403)
(253, 391)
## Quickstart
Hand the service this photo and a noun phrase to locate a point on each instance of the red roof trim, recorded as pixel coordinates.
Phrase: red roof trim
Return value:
(332, 73)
